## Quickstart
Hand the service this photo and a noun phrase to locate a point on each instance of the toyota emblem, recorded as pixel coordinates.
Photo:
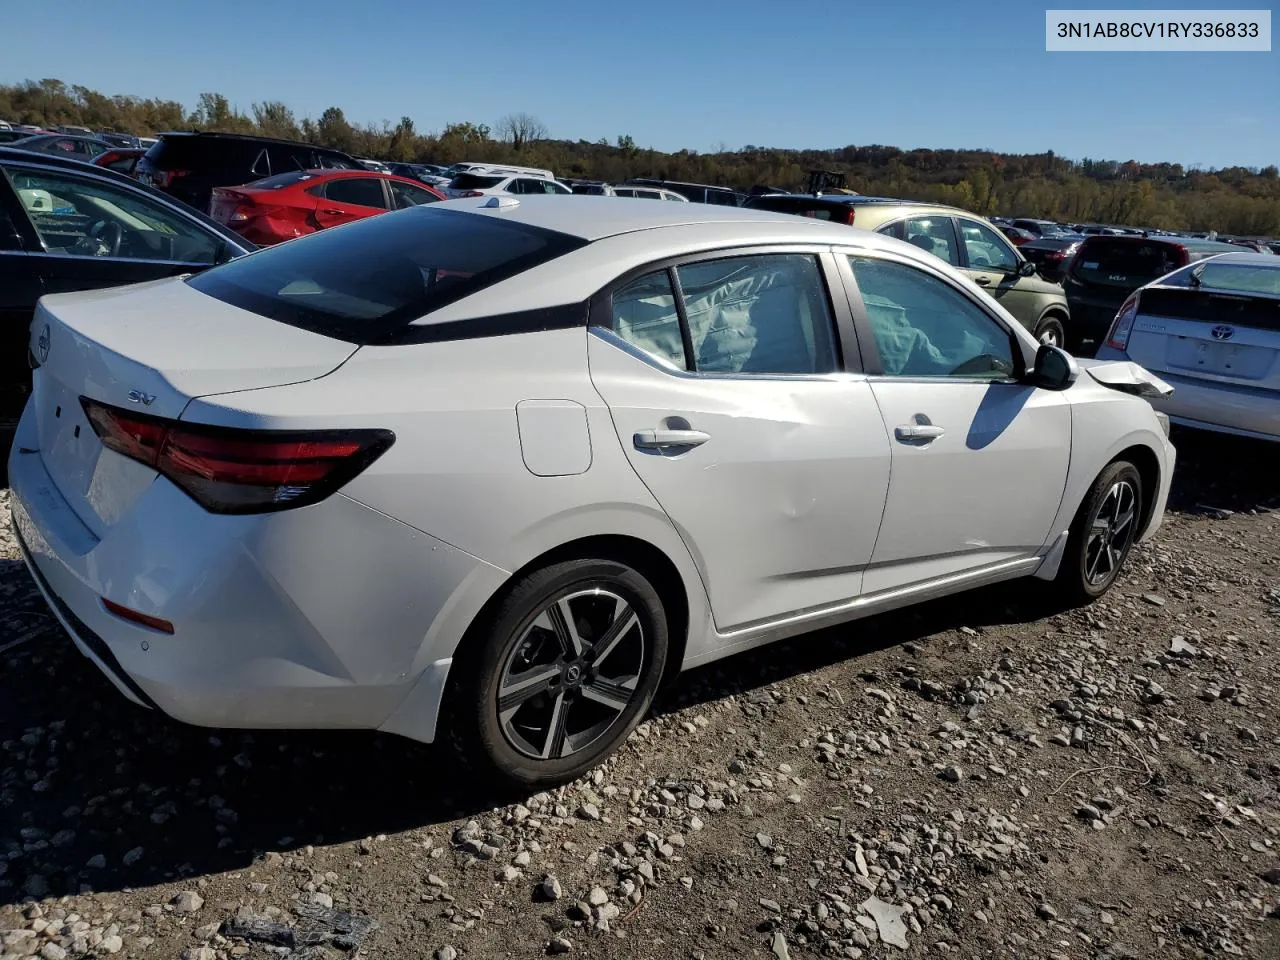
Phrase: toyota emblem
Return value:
(1222, 332)
(42, 344)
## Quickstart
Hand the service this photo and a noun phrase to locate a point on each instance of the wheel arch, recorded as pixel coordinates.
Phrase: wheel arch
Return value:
(639, 554)
(1148, 465)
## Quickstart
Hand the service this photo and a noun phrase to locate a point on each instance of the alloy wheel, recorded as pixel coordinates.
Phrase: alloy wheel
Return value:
(572, 674)
(1110, 532)
(1049, 335)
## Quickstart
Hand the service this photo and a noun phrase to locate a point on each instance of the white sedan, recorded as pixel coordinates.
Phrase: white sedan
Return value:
(497, 468)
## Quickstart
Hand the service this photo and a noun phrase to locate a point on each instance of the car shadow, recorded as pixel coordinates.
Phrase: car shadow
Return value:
(98, 792)
(88, 775)
(1216, 472)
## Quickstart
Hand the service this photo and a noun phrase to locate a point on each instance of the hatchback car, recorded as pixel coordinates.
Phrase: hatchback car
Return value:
(67, 225)
(493, 469)
(189, 165)
(1105, 269)
(292, 205)
(1212, 330)
(964, 240)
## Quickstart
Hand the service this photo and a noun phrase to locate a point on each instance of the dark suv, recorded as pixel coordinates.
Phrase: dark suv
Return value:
(189, 165)
(1106, 269)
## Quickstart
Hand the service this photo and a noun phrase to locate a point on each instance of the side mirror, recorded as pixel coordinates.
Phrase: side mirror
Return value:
(1026, 269)
(1055, 369)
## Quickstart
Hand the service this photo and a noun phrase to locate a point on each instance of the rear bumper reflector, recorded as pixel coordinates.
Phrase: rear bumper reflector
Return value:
(81, 631)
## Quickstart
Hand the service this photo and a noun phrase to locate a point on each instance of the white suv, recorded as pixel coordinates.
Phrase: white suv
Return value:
(498, 182)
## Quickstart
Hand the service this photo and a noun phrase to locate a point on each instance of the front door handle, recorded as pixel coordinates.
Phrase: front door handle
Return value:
(661, 439)
(982, 281)
(918, 432)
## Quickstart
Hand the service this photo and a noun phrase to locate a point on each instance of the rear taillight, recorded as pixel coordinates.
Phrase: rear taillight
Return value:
(227, 470)
(848, 217)
(1122, 325)
(164, 178)
(472, 193)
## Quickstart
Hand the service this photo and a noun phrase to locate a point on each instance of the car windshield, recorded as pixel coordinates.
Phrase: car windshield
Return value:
(372, 278)
(1242, 277)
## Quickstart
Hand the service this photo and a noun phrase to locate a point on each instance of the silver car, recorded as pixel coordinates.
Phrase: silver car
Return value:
(1212, 331)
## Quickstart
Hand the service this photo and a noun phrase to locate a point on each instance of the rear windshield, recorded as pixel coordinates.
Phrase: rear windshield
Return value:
(1241, 277)
(1126, 262)
(366, 282)
(475, 181)
(281, 180)
(202, 153)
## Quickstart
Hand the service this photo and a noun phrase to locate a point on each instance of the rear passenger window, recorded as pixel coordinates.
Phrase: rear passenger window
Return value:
(360, 191)
(760, 314)
(934, 235)
(745, 315)
(645, 315)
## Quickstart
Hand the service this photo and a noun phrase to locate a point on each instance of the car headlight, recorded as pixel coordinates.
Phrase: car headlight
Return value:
(1163, 420)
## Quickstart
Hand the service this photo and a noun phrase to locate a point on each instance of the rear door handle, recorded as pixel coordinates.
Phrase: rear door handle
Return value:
(661, 439)
(918, 432)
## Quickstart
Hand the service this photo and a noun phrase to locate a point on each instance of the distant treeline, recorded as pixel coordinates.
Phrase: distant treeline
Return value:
(1233, 200)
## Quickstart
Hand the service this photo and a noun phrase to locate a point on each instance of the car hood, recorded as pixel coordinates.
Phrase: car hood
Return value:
(1127, 377)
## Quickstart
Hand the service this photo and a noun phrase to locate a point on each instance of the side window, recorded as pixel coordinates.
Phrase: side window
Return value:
(84, 218)
(407, 195)
(759, 314)
(262, 165)
(360, 191)
(986, 249)
(895, 230)
(934, 235)
(645, 315)
(925, 328)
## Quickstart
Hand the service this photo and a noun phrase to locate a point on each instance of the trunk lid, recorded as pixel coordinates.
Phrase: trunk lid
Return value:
(148, 348)
(1210, 335)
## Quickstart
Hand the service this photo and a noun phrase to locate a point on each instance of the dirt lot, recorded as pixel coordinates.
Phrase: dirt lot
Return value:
(981, 777)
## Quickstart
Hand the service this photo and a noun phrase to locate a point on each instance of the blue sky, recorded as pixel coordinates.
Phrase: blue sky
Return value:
(696, 74)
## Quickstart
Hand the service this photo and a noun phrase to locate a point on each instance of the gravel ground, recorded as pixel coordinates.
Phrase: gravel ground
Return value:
(981, 776)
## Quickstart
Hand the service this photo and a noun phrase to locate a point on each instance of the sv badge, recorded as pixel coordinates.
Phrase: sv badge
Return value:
(146, 399)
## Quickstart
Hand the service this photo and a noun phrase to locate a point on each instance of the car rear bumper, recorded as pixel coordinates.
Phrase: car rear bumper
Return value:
(324, 617)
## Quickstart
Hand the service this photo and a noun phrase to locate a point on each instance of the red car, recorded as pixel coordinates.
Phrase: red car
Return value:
(294, 204)
(1018, 235)
(123, 159)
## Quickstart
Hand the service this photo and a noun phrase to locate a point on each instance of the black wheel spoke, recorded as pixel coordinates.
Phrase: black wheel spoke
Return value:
(519, 688)
(557, 730)
(624, 619)
(615, 694)
(566, 630)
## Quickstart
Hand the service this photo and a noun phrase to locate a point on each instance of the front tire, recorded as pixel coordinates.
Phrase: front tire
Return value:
(559, 674)
(1102, 534)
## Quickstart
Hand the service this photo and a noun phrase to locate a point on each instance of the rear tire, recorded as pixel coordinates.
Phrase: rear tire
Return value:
(1102, 534)
(558, 675)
